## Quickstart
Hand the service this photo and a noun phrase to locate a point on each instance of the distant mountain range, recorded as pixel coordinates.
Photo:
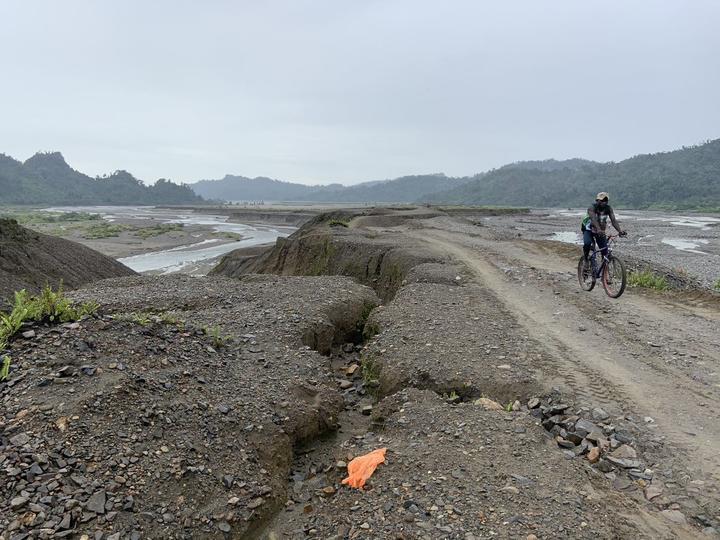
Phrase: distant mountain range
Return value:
(46, 178)
(681, 179)
(406, 189)
(685, 178)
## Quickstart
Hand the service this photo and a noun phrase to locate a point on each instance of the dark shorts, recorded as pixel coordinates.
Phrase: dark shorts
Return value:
(589, 237)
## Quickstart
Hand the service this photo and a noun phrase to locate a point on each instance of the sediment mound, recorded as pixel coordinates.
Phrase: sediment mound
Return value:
(30, 260)
(361, 245)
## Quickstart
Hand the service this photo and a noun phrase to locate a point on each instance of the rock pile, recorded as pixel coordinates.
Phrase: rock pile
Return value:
(592, 433)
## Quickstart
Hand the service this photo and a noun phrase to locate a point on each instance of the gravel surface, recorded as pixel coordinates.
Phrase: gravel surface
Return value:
(140, 426)
(460, 471)
(683, 242)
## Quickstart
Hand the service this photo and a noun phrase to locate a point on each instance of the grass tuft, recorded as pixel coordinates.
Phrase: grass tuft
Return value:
(648, 280)
(218, 340)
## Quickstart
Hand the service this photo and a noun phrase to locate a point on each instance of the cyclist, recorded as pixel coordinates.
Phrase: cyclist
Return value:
(594, 224)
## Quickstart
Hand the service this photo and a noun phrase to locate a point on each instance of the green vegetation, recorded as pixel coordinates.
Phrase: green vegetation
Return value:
(682, 179)
(157, 230)
(5, 369)
(25, 217)
(46, 178)
(230, 235)
(49, 306)
(142, 318)
(218, 340)
(716, 285)
(370, 369)
(338, 223)
(146, 318)
(647, 279)
(405, 189)
(103, 230)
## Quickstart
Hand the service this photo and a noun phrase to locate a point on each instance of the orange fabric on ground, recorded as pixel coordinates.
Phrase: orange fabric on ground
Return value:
(361, 468)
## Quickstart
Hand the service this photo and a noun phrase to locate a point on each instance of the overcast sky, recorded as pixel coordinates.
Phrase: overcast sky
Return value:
(352, 90)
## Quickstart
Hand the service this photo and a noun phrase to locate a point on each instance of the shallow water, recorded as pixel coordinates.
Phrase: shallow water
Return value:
(567, 237)
(683, 244)
(175, 259)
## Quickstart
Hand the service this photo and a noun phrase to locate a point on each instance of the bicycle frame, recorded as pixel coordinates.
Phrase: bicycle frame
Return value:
(597, 270)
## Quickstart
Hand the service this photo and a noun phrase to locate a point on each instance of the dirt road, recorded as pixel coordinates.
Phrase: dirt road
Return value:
(471, 311)
(649, 356)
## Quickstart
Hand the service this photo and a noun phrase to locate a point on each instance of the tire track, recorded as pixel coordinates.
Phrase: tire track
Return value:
(596, 369)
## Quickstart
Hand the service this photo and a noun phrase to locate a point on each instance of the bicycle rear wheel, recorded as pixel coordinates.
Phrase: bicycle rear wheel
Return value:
(585, 274)
(614, 277)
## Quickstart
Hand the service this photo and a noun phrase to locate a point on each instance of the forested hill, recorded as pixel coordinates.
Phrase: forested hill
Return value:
(46, 178)
(404, 189)
(685, 178)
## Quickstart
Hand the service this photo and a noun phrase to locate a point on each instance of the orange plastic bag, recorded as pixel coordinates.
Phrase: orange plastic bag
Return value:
(361, 468)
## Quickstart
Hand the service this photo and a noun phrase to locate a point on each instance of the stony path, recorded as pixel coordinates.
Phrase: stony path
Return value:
(646, 355)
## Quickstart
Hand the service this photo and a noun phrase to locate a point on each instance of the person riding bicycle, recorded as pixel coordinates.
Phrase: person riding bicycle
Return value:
(595, 222)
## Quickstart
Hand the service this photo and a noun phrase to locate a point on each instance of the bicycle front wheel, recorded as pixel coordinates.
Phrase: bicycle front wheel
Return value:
(614, 277)
(586, 277)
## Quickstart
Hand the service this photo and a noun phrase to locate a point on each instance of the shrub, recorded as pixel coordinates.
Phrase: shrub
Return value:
(648, 280)
(716, 286)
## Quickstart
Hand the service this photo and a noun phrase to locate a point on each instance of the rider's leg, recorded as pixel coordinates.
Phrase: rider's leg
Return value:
(602, 244)
(587, 243)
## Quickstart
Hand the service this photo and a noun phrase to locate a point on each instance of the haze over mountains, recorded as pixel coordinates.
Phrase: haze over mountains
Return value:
(684, 178)
(46, 178)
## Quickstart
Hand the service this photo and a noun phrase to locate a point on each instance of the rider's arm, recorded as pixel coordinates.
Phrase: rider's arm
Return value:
(614, 221)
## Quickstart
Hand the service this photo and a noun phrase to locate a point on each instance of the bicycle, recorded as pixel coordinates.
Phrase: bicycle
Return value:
(611, 271)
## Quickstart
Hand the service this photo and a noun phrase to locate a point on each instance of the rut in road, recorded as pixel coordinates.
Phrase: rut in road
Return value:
(604, 368)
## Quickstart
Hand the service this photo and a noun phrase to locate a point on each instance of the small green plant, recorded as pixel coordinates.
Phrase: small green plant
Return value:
(648, 280)
(172, 320)
(5, 369)
(143, 319)
(218, 340)
(49, 306)
(716, 286)
(370, 369)
(509, 407)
